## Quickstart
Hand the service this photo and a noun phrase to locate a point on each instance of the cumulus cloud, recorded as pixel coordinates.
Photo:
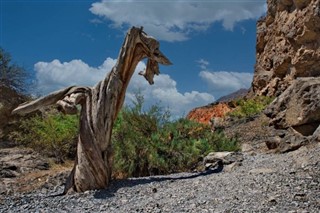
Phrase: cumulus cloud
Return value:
(175, 20)
(222, 83)
(164, 92)
(55, 75)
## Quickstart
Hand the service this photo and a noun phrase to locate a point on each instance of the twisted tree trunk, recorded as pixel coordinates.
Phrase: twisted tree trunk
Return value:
(99, 108)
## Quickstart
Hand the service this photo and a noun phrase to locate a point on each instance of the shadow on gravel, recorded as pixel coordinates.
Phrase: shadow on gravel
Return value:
(115, 185)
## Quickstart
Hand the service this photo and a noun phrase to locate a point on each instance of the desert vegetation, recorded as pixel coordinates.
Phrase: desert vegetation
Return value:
(145, 141)
(245, 108)
(52, 134)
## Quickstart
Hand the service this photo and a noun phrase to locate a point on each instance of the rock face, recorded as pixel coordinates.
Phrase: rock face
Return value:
(206, 113)
(296, 110)
(288, 45)
(297, 107)
(288, 67)
(217, 109)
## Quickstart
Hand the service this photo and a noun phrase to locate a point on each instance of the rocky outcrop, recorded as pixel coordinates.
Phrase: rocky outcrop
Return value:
(288, 67)
(218, 109)
(288, 45)
(298, 107)
(20, 169)
(207, 113)
(15, 161)
(297, 111)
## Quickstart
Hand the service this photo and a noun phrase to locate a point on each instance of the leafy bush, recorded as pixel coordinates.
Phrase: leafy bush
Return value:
(148, 143)
(145, 142)
(53, 135)
(250, 107)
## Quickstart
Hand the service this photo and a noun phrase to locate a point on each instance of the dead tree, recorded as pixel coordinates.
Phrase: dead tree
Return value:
(99, 108)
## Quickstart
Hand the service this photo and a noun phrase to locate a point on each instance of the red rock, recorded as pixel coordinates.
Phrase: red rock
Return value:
(204, 114)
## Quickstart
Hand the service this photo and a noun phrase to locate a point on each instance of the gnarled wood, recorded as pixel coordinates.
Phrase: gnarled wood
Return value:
(99, 108)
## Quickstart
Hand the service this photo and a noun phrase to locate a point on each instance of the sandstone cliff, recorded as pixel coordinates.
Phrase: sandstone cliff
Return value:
(288, 45)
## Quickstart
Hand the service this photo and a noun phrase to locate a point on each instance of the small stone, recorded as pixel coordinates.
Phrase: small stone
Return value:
(193, 206)
(273, 142)
(208, 166)
(272, 200)
(300, 197)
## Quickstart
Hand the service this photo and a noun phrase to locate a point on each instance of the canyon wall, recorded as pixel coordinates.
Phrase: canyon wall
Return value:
(288, 45)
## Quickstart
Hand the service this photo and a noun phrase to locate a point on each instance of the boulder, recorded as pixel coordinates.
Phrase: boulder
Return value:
(213, 159)
(291, 143)
(298, 107)
(316, 135)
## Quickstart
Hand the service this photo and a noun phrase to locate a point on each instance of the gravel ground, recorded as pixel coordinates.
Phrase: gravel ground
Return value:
(263, 183)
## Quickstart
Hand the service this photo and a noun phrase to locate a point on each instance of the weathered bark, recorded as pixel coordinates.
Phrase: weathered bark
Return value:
(99, 108)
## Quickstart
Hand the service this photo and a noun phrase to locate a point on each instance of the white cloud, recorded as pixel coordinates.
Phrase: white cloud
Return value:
(222, 83)
(203, 64)
(164, 92)
(175, 20)
(55, 75)
(96, 21)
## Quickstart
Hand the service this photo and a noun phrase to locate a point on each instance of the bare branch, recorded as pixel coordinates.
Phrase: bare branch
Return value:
(48, 100)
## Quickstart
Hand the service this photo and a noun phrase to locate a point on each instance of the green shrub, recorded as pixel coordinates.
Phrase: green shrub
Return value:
(145, 142)
(250, 107)
(53, 135)
(148, 143)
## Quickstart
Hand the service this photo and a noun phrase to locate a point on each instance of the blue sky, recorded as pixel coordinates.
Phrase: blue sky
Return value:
(62, 43)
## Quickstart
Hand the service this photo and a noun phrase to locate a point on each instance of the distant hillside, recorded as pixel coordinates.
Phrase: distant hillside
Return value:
(235, 95)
